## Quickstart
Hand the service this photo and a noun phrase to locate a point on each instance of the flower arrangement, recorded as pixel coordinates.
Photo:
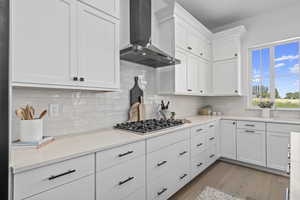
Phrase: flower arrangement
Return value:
(265, 104)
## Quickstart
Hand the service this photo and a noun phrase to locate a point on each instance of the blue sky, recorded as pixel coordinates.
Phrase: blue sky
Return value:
(286, 67)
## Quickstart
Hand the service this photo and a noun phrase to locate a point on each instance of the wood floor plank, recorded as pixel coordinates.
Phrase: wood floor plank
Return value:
(239, 181)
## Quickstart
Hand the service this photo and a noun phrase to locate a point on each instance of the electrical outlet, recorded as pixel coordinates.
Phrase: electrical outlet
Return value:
(54, 110)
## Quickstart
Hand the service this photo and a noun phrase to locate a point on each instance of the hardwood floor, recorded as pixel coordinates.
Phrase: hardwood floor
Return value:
(239, 181)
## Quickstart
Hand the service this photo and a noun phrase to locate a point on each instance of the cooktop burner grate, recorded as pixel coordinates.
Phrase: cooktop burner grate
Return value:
(149, 125)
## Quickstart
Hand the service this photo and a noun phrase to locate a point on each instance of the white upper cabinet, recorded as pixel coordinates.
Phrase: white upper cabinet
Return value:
(226, 72)
(203, 71)
(111, 7)
(181, 71)
(226, 77)
(77, 47)
(181, 34)
(226, 48)
(43, 41)
(98, 36)
(192, 77)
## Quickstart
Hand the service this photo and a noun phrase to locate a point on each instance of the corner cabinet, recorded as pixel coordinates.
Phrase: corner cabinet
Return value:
(77, 47)
(226, 67)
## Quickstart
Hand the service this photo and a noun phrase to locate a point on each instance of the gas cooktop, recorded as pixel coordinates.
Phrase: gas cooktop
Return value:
(147, 126)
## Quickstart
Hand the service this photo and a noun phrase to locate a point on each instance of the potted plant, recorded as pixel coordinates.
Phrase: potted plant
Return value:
(266, 108)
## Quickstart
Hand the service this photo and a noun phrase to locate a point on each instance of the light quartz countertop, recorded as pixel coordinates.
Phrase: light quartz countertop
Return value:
(72, 146)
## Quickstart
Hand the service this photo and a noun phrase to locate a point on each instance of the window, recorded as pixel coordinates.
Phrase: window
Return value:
(275, 74)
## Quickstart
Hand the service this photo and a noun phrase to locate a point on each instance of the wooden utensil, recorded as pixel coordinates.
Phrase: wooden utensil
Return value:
(43, 114)
(31, 112)
(20, 113)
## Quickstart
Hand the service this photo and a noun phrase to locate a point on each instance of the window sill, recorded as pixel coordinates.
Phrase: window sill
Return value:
(274, 109)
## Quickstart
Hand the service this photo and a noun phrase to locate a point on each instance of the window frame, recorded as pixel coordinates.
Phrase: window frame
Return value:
(271, 46)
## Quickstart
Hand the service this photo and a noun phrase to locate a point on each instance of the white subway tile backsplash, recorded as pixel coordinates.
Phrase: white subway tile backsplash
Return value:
(88, 110)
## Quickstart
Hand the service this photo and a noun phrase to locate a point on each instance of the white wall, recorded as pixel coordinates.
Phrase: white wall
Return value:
(273, 26)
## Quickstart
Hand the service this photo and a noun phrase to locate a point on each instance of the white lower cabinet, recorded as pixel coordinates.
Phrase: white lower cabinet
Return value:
(198, 164)
(77, 190)
(122, 180)
(228, 139)
(277, 150)
(251, 146)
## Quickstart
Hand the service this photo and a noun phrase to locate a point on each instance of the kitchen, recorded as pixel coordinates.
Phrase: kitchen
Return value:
(106, 99)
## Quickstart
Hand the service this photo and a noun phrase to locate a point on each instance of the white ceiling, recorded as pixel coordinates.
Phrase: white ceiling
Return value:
(216, 13)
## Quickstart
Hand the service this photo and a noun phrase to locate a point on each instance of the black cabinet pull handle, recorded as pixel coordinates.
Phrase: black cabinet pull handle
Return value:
(127, 180)
(200, 129)
(199, 164)
(161, 163)
(60, 175)
(233, 123)
(81, 79)
(211, 126)
(212, 138)
(75, 78)
(235, 54)
(248, 131)
(211, 156)
(163, 191)
(201, 54)
(183, 176)
(250, 125)
(190, 90)
(200, 144)
(182, 153)
(125, 154)
(190, 48)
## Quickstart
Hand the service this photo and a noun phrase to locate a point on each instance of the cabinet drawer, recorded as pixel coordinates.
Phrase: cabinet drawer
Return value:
(181, 152)
(161, 189)
(159, 163)
(197, 130)
(198, 144)
(211, 154)
(110, 7)
(140, 194)
(77, 190)
(115, 156)
(251, 125)
(41, 179)
(159, 142)
(198, 164)
(181, 178)
(121, 180)
(283, 128)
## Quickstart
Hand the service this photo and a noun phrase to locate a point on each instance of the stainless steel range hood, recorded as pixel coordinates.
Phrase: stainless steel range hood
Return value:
(141, 50)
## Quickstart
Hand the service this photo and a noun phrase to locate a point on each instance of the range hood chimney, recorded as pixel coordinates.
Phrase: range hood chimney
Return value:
(141, 50)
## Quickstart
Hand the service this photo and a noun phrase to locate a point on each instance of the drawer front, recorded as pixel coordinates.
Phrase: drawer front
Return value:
(181, 152)
(198, 164)
(159, 142)
(211, 136)
(283, 128)
(110, 7)
(161, 189)
(77, 190)
(211, 155)
(140, 194)
(118, 155)
(198, 143)
(159, 163)
(181, 177)
(121, 180)
(41, 179)
(251, 125)
(197, 130)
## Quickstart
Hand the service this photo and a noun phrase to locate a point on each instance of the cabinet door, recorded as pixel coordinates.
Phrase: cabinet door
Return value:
(180, 34)
(228, 139)
(110, 7)
(192, 77)
(251, 147)
(98, 48)
(77, 190)
(226, 77)
(277, 150)
(226, 48)
(203, 71)
(43, 42)
(206, 50)
(194, 42)
(181, 71)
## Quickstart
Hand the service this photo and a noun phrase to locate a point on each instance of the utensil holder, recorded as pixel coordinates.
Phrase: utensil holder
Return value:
(31, 130)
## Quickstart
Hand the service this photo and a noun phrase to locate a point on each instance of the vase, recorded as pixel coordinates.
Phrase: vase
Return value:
(266, 112)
